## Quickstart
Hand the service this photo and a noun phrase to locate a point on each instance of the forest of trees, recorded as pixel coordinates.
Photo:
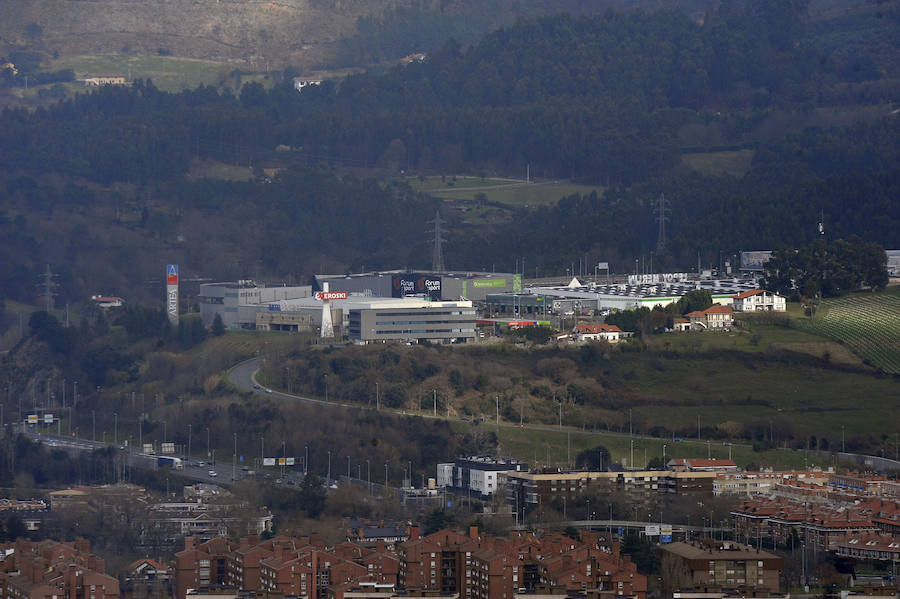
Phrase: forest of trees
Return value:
(823, 269)
(601, 99)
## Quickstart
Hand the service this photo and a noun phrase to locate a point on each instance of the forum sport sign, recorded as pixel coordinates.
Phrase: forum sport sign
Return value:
(403, 285)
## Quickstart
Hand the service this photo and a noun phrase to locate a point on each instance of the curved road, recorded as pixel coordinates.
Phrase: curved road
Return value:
(243, 376)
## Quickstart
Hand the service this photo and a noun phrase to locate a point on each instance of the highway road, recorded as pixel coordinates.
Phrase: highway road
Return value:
(137, 459)
(243, 377)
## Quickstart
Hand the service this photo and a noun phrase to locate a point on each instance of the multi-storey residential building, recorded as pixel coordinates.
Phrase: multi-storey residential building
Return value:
(819, 523)
(301, 566)
(479, 475)
(722, 564)
(51, 569)
(528, 490)
(484, 567)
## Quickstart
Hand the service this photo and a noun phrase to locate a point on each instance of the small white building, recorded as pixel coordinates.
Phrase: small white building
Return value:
(301, 83)
(105, 301)
(759, 300)
(594, 332)
(681, 324)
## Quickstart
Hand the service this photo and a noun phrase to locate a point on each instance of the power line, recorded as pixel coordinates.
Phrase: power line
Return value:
(437, 254)
(661, 218)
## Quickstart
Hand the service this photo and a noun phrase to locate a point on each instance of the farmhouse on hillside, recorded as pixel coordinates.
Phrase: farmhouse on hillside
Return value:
(715, 317)
(758, 300)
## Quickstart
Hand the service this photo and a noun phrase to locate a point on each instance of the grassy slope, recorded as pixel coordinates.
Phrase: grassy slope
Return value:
(866, 323)
(504, 191)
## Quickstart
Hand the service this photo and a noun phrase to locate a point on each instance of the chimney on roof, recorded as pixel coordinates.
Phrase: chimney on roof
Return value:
(413, 533)
(473, 532)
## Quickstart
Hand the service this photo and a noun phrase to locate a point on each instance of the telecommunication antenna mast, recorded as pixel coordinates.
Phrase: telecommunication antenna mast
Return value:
(437, 255)
(661, 210)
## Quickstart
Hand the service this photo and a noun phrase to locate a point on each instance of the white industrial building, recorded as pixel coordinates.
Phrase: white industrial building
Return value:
(238, 302)
(644, 290)
(368, 319)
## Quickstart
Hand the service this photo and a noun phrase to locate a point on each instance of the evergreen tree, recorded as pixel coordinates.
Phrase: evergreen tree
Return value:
(218, 327)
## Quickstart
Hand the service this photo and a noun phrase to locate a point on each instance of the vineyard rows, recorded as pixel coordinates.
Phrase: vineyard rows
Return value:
(867, 324)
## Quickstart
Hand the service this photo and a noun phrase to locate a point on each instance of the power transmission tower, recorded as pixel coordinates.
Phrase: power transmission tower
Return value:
(661, 217)
(48, 284)
(437, 255)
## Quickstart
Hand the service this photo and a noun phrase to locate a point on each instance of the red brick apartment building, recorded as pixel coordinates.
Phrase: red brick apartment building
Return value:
(823, 523)
(301, 566)
(722, 564)
(476, 566)
(51, 570)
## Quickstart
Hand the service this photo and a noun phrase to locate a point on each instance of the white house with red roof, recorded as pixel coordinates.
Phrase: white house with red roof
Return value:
(714, 317)
(758, 300)
(594, 332)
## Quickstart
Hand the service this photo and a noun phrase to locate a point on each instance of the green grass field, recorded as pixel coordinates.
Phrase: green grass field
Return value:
(866, 323)
(168, 73)
(562, 446)
(510, 192)
(735, 163)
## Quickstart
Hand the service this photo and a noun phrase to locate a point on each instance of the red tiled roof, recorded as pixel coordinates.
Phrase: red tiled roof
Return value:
(597, 328)
(748, 293)
(717, 309)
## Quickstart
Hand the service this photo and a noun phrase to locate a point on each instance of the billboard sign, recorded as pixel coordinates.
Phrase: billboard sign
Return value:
(32, 419)
(651, 530)
(665, 533)
(603, 266)
(172, 292)
(48, 418)
(755, 260)
(268, 461)
(403, 285)
(167, 448)
(324, 296)
(148, 447)
(477, 283)
(654, 279)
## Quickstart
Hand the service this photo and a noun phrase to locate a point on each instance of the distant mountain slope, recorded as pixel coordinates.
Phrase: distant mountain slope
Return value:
(299, 32)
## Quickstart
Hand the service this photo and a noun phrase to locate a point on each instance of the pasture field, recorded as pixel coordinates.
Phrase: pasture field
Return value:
(509, 192)
(866, 323)
(557, 447)
(734, 163)
(169, 73)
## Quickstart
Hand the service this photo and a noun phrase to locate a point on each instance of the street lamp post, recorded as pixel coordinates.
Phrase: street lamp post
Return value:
(369, 476)
(115, 428)
(234, 459)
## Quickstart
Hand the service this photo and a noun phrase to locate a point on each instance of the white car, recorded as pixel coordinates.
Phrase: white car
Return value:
(212, 473)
